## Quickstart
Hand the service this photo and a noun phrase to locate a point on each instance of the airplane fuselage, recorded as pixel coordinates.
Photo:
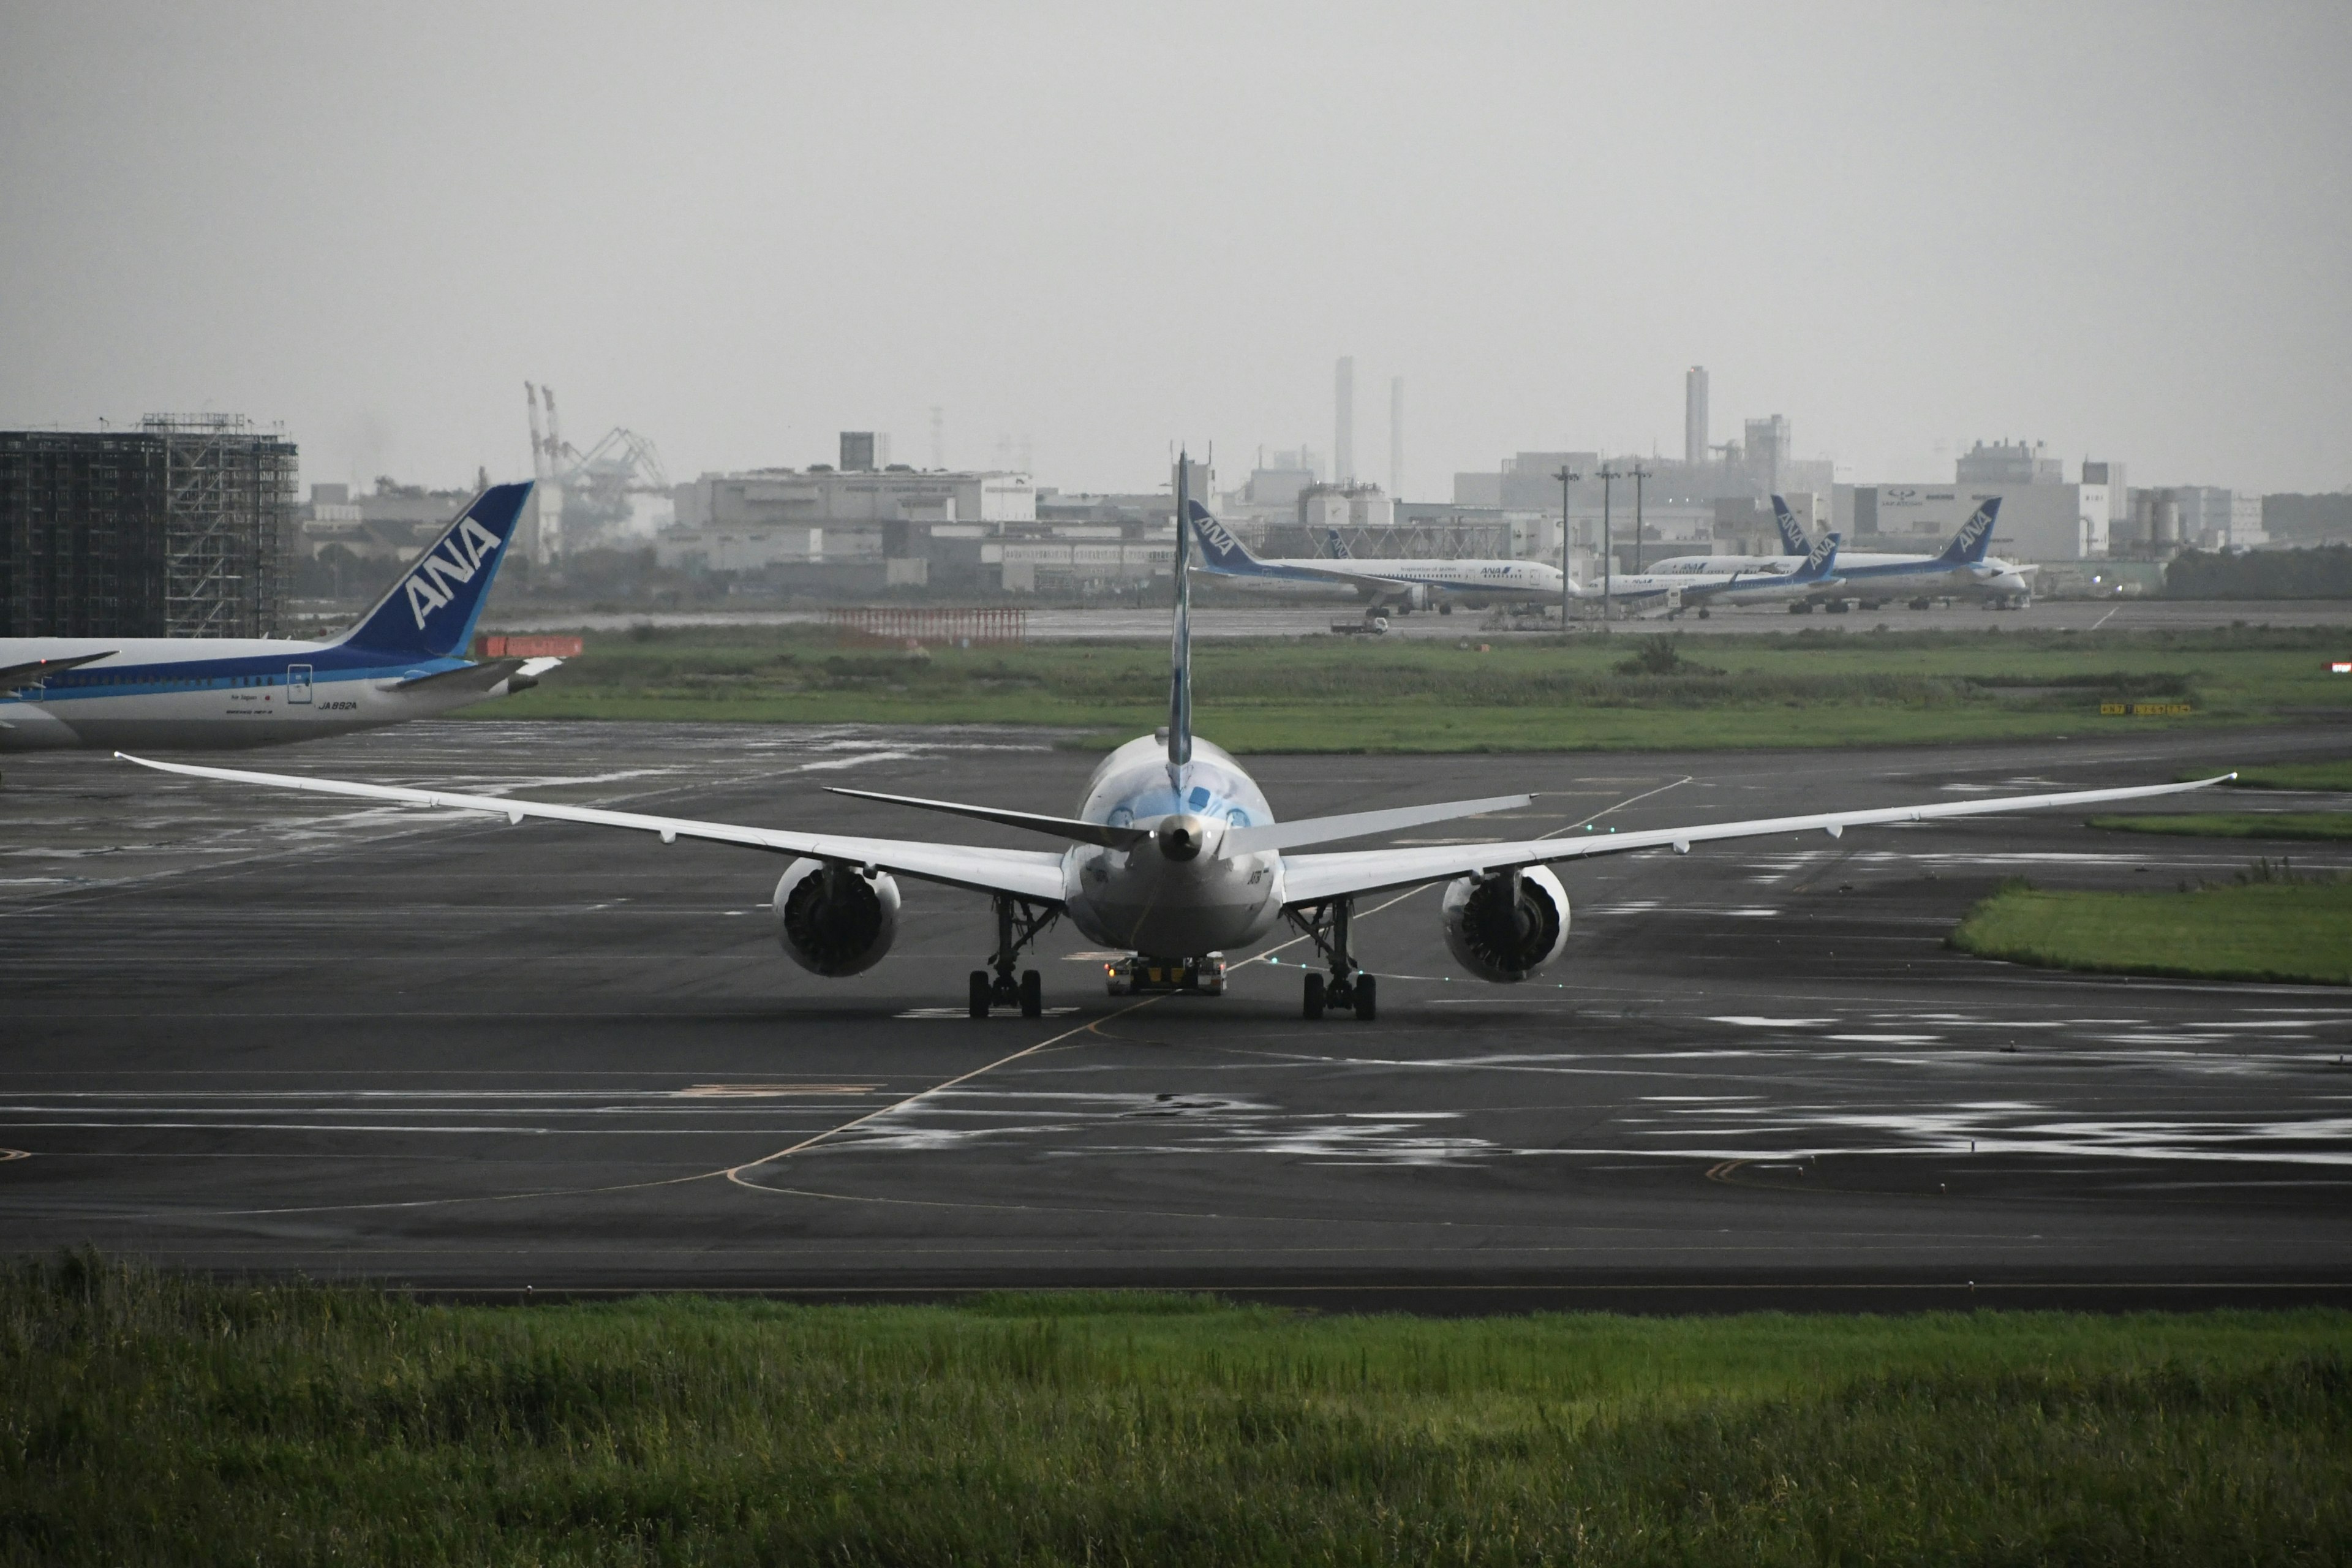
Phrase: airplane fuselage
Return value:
(246, 691)
(1144, 898)
(1381, 581)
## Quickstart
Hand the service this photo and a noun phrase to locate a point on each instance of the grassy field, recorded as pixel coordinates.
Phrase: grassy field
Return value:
(2298, 776)
(1588, 693)
(152, 1420)
(2259, 929)
(2324, 826)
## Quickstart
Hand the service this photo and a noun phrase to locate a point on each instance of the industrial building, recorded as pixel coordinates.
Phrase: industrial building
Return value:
(181, 528)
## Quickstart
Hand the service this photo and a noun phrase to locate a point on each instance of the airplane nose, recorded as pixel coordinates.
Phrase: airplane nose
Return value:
(1181, 837)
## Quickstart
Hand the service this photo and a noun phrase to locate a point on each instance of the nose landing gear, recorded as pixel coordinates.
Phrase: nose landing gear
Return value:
(1018, 924)
(1347, 987)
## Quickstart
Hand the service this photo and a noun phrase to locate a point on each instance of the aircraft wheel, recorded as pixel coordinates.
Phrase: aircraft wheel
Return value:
(1032, 993)
(1446, 608)
(1704, 614)
(979, 993)
(1366, 998)
(1314, 1007)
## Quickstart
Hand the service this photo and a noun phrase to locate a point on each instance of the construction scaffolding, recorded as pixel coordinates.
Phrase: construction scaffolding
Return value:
(229, 496)
(81, 526)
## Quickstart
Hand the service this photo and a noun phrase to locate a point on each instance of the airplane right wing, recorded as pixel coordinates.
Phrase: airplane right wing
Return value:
(1310, 880)
(1029, 874)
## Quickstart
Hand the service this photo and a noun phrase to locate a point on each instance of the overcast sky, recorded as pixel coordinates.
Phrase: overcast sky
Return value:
(2125, 230)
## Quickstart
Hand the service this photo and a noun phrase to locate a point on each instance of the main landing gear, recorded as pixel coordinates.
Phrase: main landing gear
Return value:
(1017, 925)
(1348, 986)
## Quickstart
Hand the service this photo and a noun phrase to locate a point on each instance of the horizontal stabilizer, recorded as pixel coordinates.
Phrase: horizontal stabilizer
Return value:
(465, 676)
(1059, 826)
(1359, 823)
(16, 677)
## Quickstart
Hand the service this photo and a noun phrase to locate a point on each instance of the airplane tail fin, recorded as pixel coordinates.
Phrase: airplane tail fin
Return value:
(1220, 550)
(1967, 546)
(1819, 561)
(1340, 551)
(431, 611)
(1179, 644)
(1792, 533)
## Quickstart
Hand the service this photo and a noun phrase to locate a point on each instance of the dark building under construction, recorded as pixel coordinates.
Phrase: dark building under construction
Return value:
(182, 528)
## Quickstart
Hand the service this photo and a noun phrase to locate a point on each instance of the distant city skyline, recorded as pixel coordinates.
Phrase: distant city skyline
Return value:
(2115, 228)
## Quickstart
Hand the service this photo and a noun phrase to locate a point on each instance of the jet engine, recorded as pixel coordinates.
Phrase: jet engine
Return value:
(834, 919)
(1504, 927)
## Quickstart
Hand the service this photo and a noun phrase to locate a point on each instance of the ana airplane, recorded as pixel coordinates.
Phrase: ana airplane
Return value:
(1175, 857)
(1670, 592)
(401, 661)
(1963, 570)
(1402, 586)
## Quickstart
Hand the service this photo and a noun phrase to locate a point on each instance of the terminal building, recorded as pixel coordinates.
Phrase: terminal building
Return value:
(183, 528)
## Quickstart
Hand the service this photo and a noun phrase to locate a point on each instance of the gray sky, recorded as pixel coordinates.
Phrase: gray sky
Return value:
(739, 228)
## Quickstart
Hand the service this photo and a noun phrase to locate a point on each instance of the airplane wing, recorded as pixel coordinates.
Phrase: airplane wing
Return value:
(1034, 875)
(1310, 880)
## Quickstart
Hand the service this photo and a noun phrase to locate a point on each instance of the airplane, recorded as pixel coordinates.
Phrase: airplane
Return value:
(1671, 592)
(1174, 856)
(1403, 585)
(1962, 570)
(400, 661)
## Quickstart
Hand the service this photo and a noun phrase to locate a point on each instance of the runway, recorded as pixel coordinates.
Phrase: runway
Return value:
(279, 1034)
(1221, 617)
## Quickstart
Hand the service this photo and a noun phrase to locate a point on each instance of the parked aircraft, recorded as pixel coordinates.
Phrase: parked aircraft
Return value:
(1402, 585)
(1671, 592)
(402, 660)
(1962, 570)
(1175, 857)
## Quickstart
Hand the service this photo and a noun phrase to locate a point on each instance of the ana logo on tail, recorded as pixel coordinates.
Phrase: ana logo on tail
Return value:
(428, 585)
(1969, 543)
(1219, 546)
(1817, 564)
(1792, 533)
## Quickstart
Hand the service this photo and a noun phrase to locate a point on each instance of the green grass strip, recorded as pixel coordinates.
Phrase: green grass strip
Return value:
(150, 1418)
(2298, 776)
(1330, 694)
(2257, 931)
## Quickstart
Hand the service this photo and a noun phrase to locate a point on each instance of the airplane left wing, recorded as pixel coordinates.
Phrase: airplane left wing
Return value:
(1032, 874)
(1310, 880)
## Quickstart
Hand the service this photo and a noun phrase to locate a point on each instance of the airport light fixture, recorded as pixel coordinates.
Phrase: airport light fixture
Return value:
(1566, 477)
(1609, 476)
(1640, 473)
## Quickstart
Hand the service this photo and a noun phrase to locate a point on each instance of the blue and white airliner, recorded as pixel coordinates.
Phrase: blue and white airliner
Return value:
(1403, 585)
(1963, 569)
(1173, 857)
(1670, 592)
(403, 661)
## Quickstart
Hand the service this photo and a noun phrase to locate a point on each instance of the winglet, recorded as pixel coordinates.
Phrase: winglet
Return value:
(1179, 644)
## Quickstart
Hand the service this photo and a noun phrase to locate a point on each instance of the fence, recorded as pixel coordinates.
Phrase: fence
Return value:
(496, 645)
(972, 627)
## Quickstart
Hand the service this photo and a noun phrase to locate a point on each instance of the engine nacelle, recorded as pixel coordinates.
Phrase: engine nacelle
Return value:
(834, 920)
(1497, 938)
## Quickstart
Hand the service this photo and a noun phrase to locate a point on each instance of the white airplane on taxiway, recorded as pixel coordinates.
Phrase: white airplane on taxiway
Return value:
(1175, 857)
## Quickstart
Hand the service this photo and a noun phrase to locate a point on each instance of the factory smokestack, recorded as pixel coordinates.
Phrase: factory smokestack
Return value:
(1396, 438)
(1695, 416)
(1343, 443)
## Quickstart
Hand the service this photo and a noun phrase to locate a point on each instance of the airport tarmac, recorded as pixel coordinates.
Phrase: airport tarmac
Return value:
(286, 1033)
(1227, 619)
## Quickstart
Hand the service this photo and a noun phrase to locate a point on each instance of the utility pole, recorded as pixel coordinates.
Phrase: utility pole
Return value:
(1609, 476)
(1640, 473)
(1566, 477)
